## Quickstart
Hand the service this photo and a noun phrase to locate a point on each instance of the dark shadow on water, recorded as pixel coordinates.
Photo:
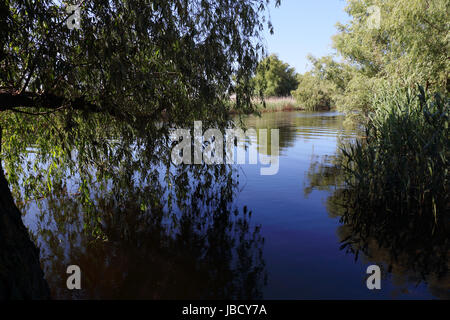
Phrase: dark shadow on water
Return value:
(131, 246)
(136, 225)
(401, 246)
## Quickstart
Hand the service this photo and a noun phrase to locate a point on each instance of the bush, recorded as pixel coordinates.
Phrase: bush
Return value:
(313, 93)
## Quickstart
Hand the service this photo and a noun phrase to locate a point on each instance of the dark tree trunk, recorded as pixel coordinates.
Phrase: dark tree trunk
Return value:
(21, 276)
(44, 100)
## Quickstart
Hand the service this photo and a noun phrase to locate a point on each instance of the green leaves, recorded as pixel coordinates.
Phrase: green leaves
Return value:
(410, 46)
(275, 78)
(402, 164)
(136, 58)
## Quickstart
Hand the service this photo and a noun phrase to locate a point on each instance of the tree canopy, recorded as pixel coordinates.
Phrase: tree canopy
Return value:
(72, 102)
(323, 85)
(409, 46)
(275, 77)
(135, 58)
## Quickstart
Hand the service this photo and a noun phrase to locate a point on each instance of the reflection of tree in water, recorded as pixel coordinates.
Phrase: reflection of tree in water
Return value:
(290, 127)
(407, 250)
(140, 228)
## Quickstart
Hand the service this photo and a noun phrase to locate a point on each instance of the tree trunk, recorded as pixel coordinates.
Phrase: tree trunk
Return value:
(21, 276)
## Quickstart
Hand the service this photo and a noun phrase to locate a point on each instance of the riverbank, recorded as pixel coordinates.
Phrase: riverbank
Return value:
(276, 104)
(279, 104)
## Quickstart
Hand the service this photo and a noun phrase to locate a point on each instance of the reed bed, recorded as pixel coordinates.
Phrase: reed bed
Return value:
(400, 171)
(276, 104)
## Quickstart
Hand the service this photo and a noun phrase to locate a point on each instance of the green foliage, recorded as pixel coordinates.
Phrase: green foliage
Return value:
(336, 74)
(410, 46)
(274, 78)
(397, 177)
(312, 93)
(324, 85)
(395, 201)
(135, 57)
(402, 167)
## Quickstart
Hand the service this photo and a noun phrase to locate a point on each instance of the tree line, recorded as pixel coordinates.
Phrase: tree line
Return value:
(409, 46)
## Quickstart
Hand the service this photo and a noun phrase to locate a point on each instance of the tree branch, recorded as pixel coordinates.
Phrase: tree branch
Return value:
(10, 101)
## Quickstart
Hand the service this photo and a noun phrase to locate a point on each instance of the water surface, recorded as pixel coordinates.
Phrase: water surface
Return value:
(214, 231)
(302, 247)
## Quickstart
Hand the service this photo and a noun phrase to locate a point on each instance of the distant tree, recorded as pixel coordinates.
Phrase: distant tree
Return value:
(312, 92)
(323, 85)
(274, 77)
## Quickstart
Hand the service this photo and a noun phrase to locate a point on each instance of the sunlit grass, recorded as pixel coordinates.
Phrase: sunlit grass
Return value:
(276, 104)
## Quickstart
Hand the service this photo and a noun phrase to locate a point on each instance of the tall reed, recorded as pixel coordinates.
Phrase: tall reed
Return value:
(400, 171)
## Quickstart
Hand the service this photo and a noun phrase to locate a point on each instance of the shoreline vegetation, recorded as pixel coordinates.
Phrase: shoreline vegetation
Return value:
(399, 172)
(272, 104)
(279, 104)
(391, 80)
(183, 64)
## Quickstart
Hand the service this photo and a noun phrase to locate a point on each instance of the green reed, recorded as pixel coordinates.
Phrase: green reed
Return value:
(400, 169)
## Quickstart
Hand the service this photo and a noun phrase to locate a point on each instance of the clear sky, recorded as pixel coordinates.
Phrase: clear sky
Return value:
(302, 27)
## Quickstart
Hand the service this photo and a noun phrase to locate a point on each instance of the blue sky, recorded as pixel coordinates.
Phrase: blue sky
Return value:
(302, 27)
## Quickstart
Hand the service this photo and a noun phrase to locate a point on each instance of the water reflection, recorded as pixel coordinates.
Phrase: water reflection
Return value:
(300, 125)
(138, 227)
(401, 246)
(141, 228)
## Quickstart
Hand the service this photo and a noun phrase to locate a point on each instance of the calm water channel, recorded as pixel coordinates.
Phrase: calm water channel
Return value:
(217, 231)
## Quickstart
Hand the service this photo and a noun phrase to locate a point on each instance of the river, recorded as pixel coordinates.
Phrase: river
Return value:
(233, 233)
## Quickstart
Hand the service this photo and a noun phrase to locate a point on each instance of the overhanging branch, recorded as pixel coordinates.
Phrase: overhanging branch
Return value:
(11, 101)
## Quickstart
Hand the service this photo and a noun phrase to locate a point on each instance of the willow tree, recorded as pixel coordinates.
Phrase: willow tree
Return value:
(394, 42)
(134, 59)
(324, 84)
